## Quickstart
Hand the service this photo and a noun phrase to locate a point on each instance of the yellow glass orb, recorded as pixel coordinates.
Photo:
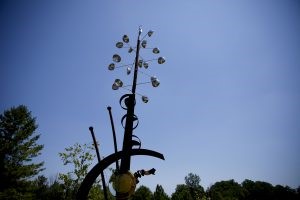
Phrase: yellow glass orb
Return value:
(124, 184)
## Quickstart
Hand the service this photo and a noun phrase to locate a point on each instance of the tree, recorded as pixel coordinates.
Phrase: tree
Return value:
(193, 183)
(18, 146)
(56, 191)
(40, 185)
(160, 194)
(258, 190)
(191, 190)
(286, 192)
(142, 193)
(263, 190)
(192, 180)
(226, 190)
(47, 190)
(80, 158)
(182, 191)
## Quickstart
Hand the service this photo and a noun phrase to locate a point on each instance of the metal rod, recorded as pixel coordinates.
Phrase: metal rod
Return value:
(114, 135)
(125, 161)
(99, 159)
(127, 141)
(136, 62)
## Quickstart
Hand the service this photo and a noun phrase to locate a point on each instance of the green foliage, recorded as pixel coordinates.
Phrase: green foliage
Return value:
(226, 190)
(193, 183)
(258, 189)
(281, 192)
(96, 193)
(182, 191)
(263, 190)
(160, 194)
(80, 158)
(44, 190)
(142, 193)
(192, 180)
(55, 191)
(41, 187)
(191, 190)
(18, 146)
(14, 194)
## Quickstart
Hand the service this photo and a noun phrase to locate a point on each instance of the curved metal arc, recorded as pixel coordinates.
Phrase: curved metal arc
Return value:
(125, 98)
(135, 118)
(99, 167)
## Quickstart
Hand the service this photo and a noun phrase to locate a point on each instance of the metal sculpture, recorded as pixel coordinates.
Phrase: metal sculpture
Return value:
(123, 181)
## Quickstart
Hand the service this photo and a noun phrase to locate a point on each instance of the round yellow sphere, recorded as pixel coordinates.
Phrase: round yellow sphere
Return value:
(124, 184)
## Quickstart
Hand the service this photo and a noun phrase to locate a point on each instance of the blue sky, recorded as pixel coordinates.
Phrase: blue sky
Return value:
(228, 103)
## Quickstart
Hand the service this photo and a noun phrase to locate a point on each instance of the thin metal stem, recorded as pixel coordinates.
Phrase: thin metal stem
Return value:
(151, 60)
(127, 145)
(149, 48)
(99, 160)
(136, 84)
(126, 65)
(114, 135)
(145, 74)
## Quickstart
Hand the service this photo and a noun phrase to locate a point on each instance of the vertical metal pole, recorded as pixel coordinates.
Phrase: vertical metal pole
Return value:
(99, 159)
(136, 62)
(114, 135)
(127, 141)
(125, 161)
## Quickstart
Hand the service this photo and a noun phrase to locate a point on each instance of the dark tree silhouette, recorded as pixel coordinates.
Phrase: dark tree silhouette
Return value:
(193, 182)
(142, 193)
(18, 146)
(182, 191)
(226, 190)
(159, 193)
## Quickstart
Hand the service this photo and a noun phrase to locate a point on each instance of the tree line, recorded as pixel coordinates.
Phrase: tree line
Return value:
(20, 179)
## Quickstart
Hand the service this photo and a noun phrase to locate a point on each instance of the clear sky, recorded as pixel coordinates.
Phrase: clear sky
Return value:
(228, 106)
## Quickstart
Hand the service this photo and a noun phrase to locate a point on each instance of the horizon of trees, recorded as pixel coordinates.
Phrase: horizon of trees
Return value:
(44, 188)
(20, 179)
